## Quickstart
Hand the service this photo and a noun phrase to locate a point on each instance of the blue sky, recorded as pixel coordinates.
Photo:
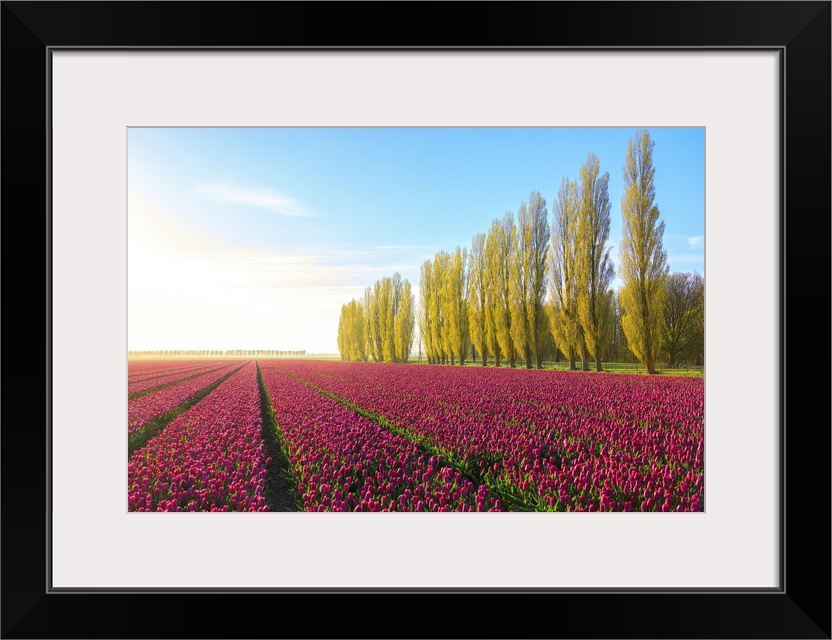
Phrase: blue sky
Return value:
(254, 238)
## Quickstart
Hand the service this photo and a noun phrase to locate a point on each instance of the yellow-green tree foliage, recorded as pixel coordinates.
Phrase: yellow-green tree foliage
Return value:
(426, 294)
(403, 323)
(385, 332)
(352, 332)
(375, 334)
(438, 309)
(564, 282)
(478, 297)
(492, 307)
(457, 305)
(444, 324)
(503, 268)
(368, 333)
(386, 328)
(643, 260)
(530, 264)
(390, 301)
(595, 266)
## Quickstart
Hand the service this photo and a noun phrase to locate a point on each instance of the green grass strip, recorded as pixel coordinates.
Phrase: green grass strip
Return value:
(280, 489)
(144, 392)
(511, 497)
(138, 439)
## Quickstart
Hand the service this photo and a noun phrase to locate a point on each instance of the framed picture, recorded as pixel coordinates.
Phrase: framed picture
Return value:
(78, 76)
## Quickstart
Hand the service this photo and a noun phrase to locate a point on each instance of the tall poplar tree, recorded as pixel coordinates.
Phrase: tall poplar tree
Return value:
(493, 292)
(375, 336)
(351, 332)
(596, 267)
(459, 338)
(403, 323)
(564, 281)
(530, 278)
(502, 265)
(643, 260)
(477, 296)
(439, 325)
(426, 292)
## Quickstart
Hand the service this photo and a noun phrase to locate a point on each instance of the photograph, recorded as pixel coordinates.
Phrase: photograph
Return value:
(423, 319)
(361, 258)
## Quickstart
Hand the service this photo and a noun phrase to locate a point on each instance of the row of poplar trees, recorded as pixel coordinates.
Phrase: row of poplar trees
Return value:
(525, 288)
(380, 326)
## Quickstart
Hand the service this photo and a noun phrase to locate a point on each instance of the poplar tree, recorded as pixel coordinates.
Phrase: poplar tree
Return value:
(456, 305)
(426, 292)
(493, 293)
(643, 260)
(564, 281)
(368, 323)
(439, 323)
(596, 267)
(478, 297)
(351, 332)
(502, 265)
(403, 323)
(375, 312)
(529, 319)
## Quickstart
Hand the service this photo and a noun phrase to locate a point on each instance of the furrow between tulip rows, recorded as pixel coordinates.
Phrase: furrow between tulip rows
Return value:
(540, 439)
(210, 458)
(142, 388)
(343, 461)
(281, 488)
(141, 434)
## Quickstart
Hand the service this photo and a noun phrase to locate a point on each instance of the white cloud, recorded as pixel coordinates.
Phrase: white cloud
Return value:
(269, 199)
(696, 242)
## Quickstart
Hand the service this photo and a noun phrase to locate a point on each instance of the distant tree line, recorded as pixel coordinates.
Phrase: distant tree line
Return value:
(530, 291)
(216, 353)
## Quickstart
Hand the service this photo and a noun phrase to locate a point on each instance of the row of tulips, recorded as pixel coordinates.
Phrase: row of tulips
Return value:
(172, 378)
(145, 408)
(345, 462)
(210, 458)
(543, 440)
(146, 369)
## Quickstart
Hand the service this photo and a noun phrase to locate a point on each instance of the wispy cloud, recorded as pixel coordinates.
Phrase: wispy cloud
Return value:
(696, 242)
(269, 199)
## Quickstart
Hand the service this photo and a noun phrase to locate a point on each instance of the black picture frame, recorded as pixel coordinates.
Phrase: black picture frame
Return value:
(799, 31)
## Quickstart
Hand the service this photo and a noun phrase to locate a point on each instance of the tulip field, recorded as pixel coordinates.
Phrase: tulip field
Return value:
(334, 436)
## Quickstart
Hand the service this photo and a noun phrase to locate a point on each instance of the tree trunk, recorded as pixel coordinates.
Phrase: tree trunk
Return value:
(584, 360)
(598, 366)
